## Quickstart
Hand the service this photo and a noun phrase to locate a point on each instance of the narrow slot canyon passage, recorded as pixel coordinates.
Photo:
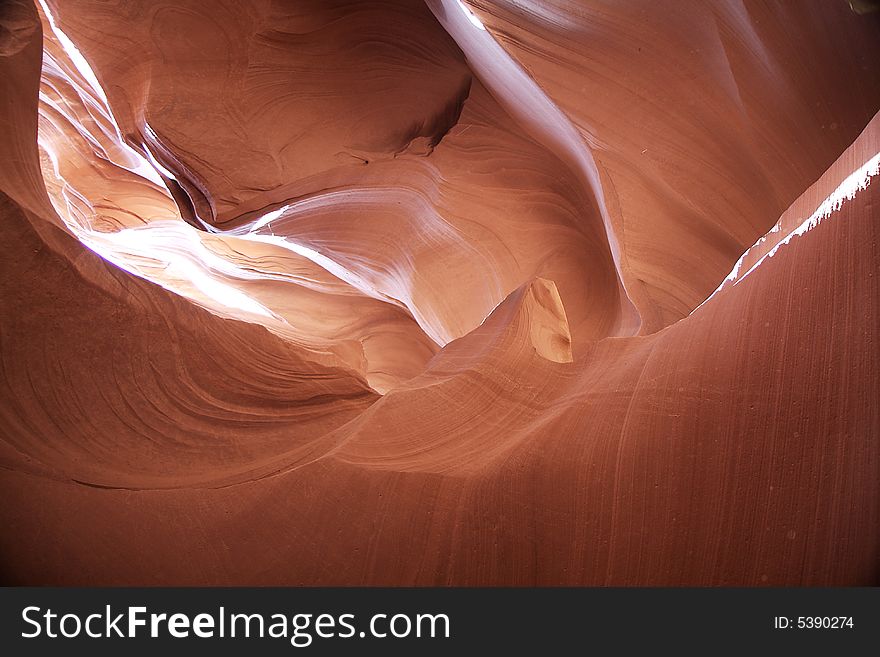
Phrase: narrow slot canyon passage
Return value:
(439, 292)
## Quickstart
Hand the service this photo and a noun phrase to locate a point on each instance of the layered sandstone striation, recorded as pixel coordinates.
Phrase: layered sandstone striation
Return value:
(431, 293)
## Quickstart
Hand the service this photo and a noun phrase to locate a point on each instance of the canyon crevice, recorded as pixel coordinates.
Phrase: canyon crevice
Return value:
(492, 292)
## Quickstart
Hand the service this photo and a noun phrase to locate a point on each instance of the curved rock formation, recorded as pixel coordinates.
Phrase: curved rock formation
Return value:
(410, 293)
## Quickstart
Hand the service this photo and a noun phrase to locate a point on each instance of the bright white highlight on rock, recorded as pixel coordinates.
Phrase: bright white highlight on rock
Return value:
(845, 191)
(472, 17)
(350, 277)
(75, 55)
(269, 217)
(175, 250)
(169, 253)
(539, 116)
(141, 167)
(153, 161)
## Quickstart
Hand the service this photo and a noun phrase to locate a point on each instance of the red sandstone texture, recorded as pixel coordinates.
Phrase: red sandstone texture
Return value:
(490, 292)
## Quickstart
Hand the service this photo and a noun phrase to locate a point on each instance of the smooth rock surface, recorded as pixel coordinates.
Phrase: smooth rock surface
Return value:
(438, 293)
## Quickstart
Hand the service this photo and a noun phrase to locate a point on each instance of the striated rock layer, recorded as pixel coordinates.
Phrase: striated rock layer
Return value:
(439, 293)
